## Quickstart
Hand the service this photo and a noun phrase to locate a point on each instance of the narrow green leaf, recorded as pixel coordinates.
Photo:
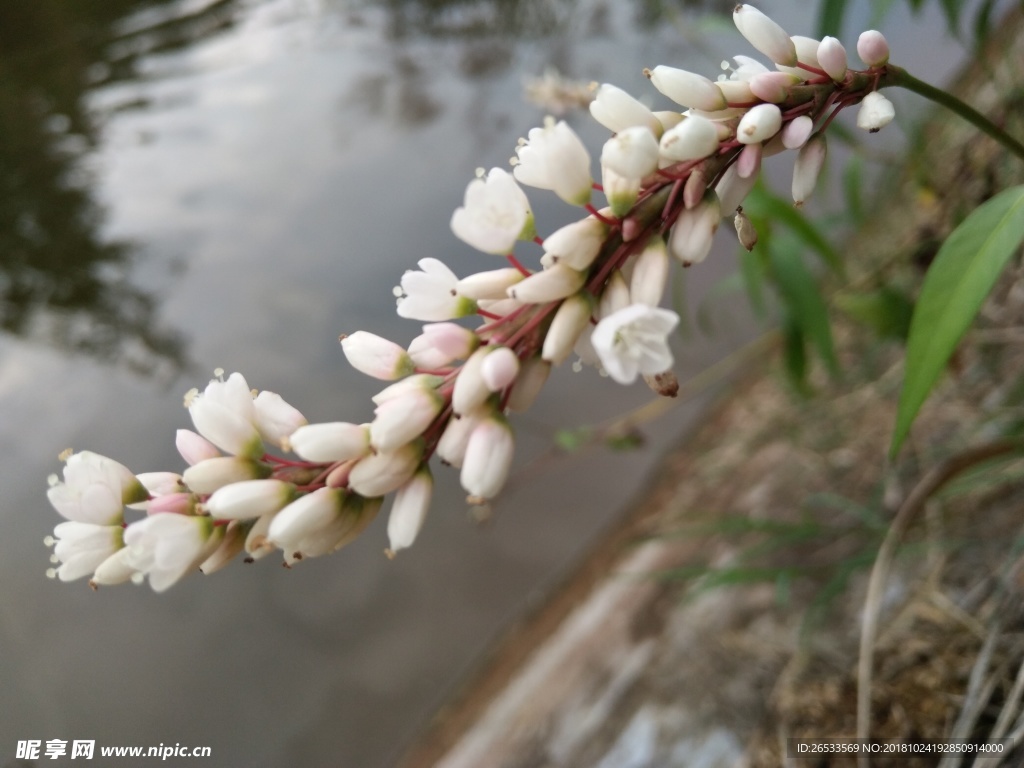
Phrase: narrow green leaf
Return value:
(830, 21)
(853, 185)
(752, 269)
(961, 276)
(800, 293)
(886, 311)
(952, 8)
(794, 356)
(983, 22)
(763, 204)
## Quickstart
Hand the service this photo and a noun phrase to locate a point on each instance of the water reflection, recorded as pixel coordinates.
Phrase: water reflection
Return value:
(61, 282)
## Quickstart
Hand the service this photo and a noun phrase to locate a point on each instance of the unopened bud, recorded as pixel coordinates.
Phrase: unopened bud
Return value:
(807, 167)
(832, 57)
(693, 232)
(873, 48)
(765, 35)
(759, 123)
(773, 87)
(687, 88)
(694, 138)
(796, 132)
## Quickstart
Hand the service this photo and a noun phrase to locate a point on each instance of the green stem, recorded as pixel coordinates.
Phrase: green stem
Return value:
(900, 77)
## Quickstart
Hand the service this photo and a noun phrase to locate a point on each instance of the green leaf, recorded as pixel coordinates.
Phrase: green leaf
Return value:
(830, 22)
(762, 204)
(886, 311)
(983, 22)
(794, 356)
(961, 276)
(952, 10)
(853, 186)
(800, 293)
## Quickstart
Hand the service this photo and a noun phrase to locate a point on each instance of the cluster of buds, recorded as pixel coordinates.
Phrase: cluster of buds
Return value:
(667, 178)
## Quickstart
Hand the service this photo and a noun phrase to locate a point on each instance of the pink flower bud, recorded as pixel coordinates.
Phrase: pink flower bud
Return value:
(796, 132)
(832, 57)
(439, 345)
(765, 35)
(773, 87)
(194, 447)
(873, 48)
(376, 356)
(732, 189)
(173, 503)
(749, 162)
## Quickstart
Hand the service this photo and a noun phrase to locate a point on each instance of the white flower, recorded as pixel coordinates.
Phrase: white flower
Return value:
(451, 448)
(305, 526)
(116, 569)
(494, 214)
(875, 113)
(617, 111)
(376, 356)
(81, 547)
(773, 86)
(225, 415)
(873, 48)
(554, 157)
(430, 294)
(488, 458)
(331, 441)
(95, 489)
(615, 295)
(620, 191)
(687, 88)
(402, 386)
(410, 509)
(634, 341)
(165, 547)
(250, 499)
(632, 153)
(693, 138)
(650, 274)
(765, 35)
(275, 419)
(499, 368)
(471, 389)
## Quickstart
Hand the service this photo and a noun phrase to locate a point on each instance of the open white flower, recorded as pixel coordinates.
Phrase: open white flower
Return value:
(166, 546)
(429, 294)
(81, 547)
(225, 415)
(95, 489)
(494, 214)
(554, 157)
(634, 341)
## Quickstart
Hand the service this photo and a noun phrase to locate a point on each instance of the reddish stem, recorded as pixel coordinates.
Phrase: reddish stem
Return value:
(600, 217)
(517, 264)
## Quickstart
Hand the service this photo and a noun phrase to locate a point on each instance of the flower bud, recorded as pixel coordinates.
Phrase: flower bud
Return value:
(736, 91)
(832, 58)
(493, 284)
(499, 368)
(232, 542)
(773, 87)
(401, 419)
(331, 441)
(620, 191)
(553, 157)
(470, 389)
(256, 543)
(250, 499)
(633, 153)
(694, 138)
(440, 344)
(451, 448)
(410, 509)
(409, 383)
(687, 88)
(875, 113)
(765, 35)
(381, 473)
(569, 321)
(615, 295)
(759, 123)
(650, 274)
(376, 356)
(873, 48)
(807, 167)
(533, 374)
(694, 230)
(575, 245)
(488, 458)
(275, 419)
(212, 474)
(297, 527)
(796, 132)
(160, 483)
(194, 447)
(549, 285)
(806, 53)
(116, 569)
(617, 111)
(732, 189)
(748, 164)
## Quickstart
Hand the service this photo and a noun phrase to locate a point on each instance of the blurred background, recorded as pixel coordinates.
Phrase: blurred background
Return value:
(192, 184)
